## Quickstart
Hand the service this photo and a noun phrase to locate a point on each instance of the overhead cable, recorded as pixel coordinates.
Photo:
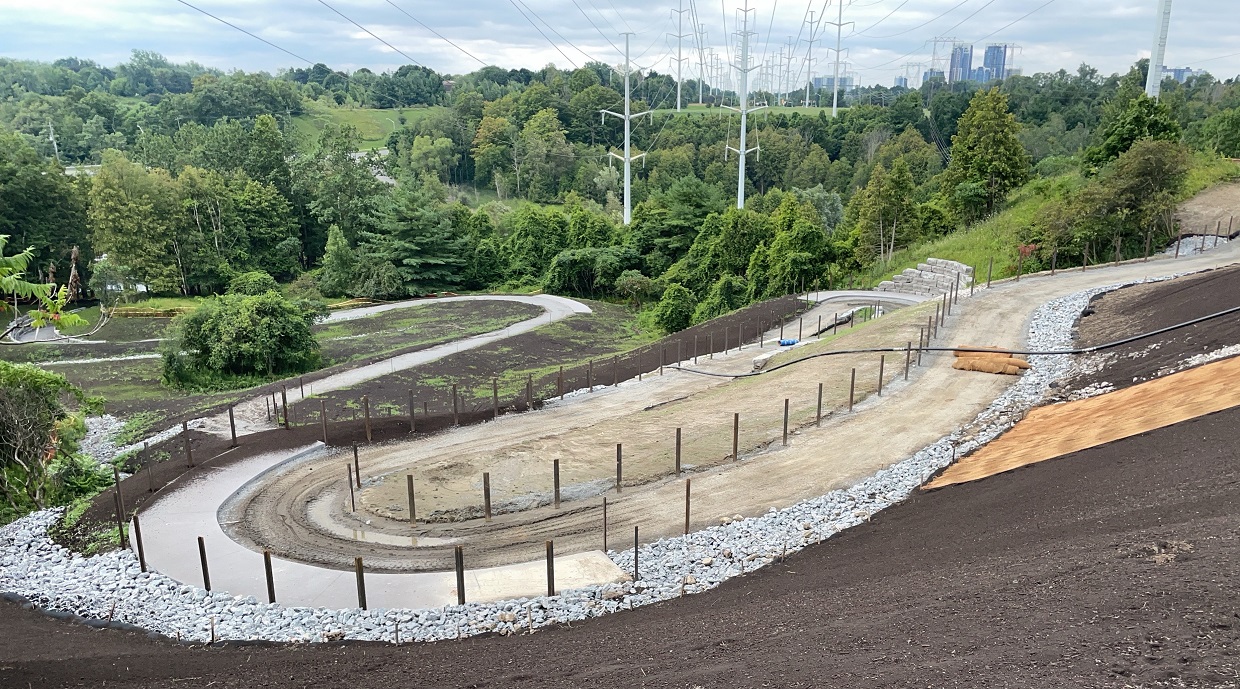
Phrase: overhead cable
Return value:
(260, 38)
(372, 34)
(445, 38)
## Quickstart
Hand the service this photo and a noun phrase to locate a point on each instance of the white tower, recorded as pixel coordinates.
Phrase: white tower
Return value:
(1153, 80)
(742, 94)
(628, 158)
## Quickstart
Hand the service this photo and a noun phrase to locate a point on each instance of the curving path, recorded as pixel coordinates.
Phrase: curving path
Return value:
(251, 415)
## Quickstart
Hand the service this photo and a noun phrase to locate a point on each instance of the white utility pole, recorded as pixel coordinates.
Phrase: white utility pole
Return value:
(809, 54)
(1153, 79)
(51, 136)
(628, 118)
(743, 69)
(839, 36)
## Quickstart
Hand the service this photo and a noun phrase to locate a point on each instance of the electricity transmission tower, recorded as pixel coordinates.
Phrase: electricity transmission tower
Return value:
(1153, 79)
(51, 136)
(809, 53)
(628, 118)
(839, 25)
(680, 58)
(743, 69)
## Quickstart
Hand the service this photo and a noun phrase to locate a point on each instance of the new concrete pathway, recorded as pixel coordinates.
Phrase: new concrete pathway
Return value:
(196, 507)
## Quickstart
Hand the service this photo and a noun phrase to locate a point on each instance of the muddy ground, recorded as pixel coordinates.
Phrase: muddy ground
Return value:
(1145, 308)
(1112, 567)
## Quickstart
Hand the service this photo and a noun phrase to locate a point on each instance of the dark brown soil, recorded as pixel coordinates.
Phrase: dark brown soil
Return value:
(1145, 308)
(1112, 567)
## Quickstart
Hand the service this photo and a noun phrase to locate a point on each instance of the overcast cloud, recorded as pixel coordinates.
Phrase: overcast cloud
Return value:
(1108, 34)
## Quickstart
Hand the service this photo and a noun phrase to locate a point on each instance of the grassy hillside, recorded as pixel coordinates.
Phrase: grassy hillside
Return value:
(374, 125)
(998, 236)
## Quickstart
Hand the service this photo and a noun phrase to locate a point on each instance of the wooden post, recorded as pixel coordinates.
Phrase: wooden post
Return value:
(636, 575)
(781, 331)
(550, 568)
(459, 557)
(882, 363)
(456, 413)
(555, 481)
(818, 417)
(284, 404)
(1217, 228)
(413, 506)
(352, 495)
(529, 390)
(150, 477)
(120, 505)
(740, 337)
(357, 467)
(619, 465)
(679, 352)
(712, 344)
(559, 384)
(990, 268)
(323, 418)
(366, 415)
(1117, 244)
(736, 436)
(137, 539)
(361, 582)
(818, 332)
(1146, 257)
(973, 282)
(678, 451)
(189, 454)
(271, 580)
(495, 397)
(232, 425)
(800, 328)
(908, 358)
(267, 403)
(852, 388)
(1179, 240)
(1054, 259)
(202, 556)
(412, 423)
(921, 335)
(615, 371)
(590, 375)
(688, 500)
(695, 349)
(486, 495)
(835, 323)
(725, 341)
(604, 523)
(956, 290)
(785, 422)
(1085, 262)
(662, 358)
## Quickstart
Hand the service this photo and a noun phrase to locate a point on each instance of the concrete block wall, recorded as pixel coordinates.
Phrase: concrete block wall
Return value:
(935, 276)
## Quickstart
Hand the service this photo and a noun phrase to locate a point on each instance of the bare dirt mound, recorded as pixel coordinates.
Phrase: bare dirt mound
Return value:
(1211, 209)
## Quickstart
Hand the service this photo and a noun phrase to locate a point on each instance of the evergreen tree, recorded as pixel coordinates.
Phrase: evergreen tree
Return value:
(337, 274)
(415, 237)
(986, 150)
(1140, 118)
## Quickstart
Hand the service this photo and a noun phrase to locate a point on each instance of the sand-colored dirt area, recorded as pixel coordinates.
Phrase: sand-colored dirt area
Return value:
(1060, 429)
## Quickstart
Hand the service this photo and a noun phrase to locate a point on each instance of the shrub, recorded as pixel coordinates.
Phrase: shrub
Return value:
(253, 283)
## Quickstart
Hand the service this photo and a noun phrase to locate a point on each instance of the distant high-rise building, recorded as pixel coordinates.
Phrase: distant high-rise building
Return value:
(933, 75)
(847, 83)
(1181, 74)
(901, 82)
(961, 65)
(995, 61)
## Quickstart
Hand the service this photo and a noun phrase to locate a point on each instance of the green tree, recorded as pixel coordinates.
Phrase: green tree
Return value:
(417, 239)
(235, 338)
(40, 423)
(675, 310)
(253, 283)
(1141, 118)
(133, 217)
(728, 294)
(634, 286)
(986, 149)
(338, 270)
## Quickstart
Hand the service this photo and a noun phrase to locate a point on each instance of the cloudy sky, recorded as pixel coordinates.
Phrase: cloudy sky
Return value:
(883, 38)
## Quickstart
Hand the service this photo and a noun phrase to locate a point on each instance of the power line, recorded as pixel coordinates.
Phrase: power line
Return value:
(1212, 59)
(880, 21)
(600, 31)
(557, 33)
(372, 35)
(540, 31)
(227, 23)
(1036, 9)
(445, 38)
(963, 3)
(988, 4)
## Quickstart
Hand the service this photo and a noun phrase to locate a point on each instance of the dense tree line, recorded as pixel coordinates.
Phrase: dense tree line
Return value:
(202, 180)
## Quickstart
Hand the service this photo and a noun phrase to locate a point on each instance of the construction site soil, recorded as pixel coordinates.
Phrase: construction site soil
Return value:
(1145, 308)
(1110, 567)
